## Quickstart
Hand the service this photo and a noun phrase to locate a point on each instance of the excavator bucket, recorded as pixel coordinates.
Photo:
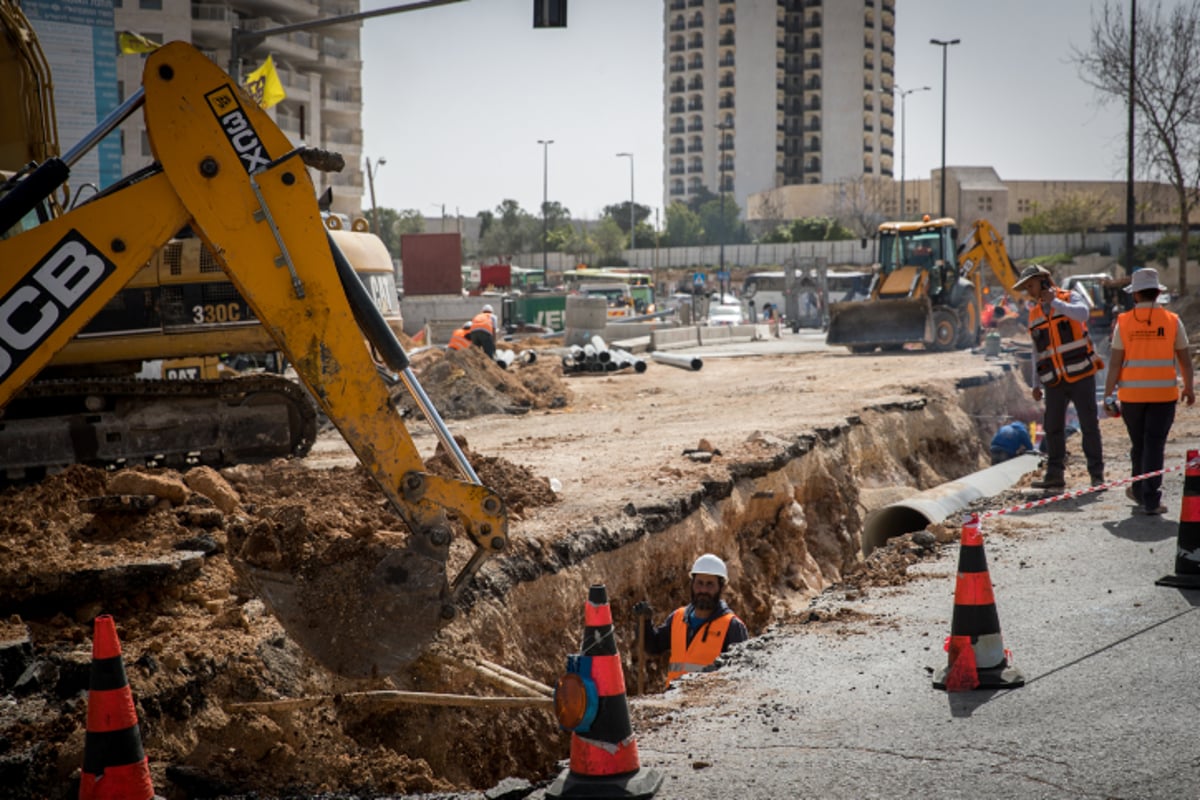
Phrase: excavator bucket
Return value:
(867, 324)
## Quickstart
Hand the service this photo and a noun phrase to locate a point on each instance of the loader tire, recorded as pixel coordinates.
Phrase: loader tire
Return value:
(945, 330)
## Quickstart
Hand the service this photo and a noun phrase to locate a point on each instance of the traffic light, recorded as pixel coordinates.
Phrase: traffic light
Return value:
(549, 13)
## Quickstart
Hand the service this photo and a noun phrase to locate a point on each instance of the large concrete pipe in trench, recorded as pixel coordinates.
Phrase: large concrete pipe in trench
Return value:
(934, 505)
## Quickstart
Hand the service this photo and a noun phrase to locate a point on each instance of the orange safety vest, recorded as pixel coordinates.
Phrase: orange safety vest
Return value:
(459, 340)
(1063, 347)
(1148, 372)
(485, 321)
(705, 647)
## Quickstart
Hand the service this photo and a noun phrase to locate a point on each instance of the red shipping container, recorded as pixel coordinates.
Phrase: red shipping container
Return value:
(431, 263)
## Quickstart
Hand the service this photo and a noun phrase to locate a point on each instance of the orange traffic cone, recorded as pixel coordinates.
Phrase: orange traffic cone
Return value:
(978, 659)
(1187, 550)
(590, 702)
(114, 764)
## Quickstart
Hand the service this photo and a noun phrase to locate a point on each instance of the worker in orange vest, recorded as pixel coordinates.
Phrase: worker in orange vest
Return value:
(1149, 345)
(1064, 367)
(483, 330)
(700, 631)
(459, 339)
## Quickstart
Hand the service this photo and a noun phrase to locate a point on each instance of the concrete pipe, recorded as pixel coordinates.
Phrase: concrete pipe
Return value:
(934, 505)
(628, 359)
(683, 362)
(529, 356)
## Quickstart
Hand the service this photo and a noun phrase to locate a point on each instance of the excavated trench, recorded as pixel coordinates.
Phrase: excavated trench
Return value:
(788, 521)
(789, 525)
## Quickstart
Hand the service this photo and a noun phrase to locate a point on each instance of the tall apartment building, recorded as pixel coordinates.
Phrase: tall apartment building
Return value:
(760, 94)
(321, 72)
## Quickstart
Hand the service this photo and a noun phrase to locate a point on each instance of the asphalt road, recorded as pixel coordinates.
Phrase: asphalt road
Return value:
(1109, 710)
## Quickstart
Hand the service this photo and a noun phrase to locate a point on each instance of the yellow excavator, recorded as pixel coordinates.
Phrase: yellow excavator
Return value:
(101, 400)
(927, 289)
(224, 169)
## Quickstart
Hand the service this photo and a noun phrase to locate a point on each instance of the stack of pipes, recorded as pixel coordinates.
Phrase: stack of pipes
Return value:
(597, 356)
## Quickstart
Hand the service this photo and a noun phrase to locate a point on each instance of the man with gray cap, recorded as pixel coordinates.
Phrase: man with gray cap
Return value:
(1149, 346)
(1064, 366)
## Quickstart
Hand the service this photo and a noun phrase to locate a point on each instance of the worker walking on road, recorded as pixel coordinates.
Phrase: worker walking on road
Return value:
(1149, 346)
(483, 331)
(700, 631)
(1064, 367)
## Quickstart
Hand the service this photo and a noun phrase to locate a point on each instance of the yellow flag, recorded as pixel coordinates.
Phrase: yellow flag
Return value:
(264, 86)
(131, 43)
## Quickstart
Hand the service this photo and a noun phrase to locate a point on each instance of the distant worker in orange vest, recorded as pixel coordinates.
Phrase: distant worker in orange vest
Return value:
(700, 631)
(1063, 367)
(1149, 345)
(459, 339)
(483, 331)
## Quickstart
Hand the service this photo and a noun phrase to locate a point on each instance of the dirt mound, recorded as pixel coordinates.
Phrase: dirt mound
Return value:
(466, 383)
(194, 636)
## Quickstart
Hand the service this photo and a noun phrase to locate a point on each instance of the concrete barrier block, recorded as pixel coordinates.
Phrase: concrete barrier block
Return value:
(720, 334)
(674, 338)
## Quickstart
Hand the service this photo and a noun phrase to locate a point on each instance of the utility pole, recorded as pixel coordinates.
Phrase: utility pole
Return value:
(371, 183)
(632, 218)
(545, 143)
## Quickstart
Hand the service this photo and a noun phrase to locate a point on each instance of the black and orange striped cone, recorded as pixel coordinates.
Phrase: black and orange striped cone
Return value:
(1187, 550)
(590, 702)
(114, 765)
(977, 658)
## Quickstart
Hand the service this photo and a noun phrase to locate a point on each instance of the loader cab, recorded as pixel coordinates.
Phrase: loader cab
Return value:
(910, 251)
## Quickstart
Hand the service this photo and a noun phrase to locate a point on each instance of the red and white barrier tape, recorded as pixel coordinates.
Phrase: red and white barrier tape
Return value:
(1080, 492)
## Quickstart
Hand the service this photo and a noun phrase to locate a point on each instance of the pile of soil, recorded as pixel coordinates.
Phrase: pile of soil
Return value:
(466, 383)
(156, 553)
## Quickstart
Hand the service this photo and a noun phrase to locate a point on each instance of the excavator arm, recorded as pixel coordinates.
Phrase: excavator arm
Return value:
(225, 168)
(986, 245)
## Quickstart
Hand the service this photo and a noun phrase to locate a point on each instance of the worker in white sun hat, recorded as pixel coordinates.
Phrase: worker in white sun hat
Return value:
(700, 631)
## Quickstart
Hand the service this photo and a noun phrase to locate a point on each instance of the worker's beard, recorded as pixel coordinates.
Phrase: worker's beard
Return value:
(706, 602)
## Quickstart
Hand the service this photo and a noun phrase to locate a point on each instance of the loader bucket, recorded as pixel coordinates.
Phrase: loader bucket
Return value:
(880, 323)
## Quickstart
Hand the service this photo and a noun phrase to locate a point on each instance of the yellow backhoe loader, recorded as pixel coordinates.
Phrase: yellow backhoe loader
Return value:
(224, 169)
(179, 318)
(927, 289)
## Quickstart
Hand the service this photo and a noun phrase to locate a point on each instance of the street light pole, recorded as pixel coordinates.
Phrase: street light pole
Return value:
(632, 218)
(371, 183)
(545, 143)
(721, 156)
(904, 93)
(945, 45)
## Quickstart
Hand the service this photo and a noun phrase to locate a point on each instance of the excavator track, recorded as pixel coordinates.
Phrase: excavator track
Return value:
(110, 423)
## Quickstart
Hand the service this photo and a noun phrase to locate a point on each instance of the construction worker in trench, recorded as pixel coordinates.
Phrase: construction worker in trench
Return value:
(700, 631)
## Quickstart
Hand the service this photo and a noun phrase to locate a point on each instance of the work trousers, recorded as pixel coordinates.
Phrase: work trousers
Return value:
(1082, 394)
(1148, 425)
(484, 341)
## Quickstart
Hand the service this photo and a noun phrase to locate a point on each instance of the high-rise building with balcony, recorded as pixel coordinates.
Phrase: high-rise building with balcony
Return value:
(766, 93)
(320, 69)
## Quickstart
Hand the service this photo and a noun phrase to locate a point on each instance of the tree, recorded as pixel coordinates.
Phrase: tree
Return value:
(684, 228)
(609, 239)
(818, 229)
(861, 202)
(1077, 212)
(1166, 94)
(722, 225)
(512, 230)
(619, 214)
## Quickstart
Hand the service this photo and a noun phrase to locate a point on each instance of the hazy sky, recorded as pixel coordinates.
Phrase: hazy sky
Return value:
(456, 98)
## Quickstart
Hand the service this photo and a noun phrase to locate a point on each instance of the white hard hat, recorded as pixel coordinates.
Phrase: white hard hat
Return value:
(489, 309)
(708, 564)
